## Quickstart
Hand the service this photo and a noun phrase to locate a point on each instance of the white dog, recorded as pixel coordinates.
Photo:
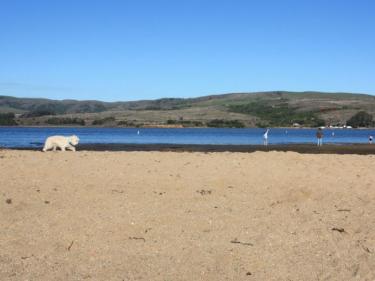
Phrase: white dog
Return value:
(61, 142)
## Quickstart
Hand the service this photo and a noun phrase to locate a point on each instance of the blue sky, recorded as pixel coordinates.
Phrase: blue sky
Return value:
(130, 50)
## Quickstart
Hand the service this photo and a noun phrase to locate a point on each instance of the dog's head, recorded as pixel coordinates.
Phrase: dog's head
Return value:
(74, 140)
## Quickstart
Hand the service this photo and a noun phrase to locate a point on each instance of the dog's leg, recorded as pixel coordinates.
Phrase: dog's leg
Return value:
(71, 147)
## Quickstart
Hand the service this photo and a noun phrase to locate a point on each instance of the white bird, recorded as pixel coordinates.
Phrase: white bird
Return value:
(265, 137)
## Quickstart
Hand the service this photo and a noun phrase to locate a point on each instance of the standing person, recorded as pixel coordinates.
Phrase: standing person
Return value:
(265, 137)
(370, 138)
(319, 136)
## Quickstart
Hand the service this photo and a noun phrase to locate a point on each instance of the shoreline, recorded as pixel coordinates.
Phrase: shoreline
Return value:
(175, 127)
(361, 149)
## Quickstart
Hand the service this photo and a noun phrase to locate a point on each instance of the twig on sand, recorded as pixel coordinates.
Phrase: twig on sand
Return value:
(70, 246)
(117, 191)
(204, 192)
(235, 241)
(366, 249)
(137, 238)
(344, 210)
(339, 229)
(27, 257)
(363, 246)
(356, 269)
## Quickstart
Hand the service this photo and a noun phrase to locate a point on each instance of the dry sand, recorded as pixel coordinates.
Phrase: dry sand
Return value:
(186, 216)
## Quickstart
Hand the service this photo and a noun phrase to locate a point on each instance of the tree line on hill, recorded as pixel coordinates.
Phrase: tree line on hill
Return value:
(270, 117)
(361, 119)
(7, 119)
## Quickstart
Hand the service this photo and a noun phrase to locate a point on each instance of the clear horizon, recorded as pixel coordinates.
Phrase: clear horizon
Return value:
(124, 51)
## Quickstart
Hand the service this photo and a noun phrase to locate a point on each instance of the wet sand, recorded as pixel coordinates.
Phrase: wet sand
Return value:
(362, 149)
(97, 215)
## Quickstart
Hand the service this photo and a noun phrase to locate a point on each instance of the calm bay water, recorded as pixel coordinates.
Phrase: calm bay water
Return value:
(34, 137)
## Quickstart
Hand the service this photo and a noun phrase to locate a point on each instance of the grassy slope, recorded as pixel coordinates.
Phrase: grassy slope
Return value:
(332, 107)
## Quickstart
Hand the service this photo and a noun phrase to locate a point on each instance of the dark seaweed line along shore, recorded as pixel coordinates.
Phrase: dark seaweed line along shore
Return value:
(363, 149)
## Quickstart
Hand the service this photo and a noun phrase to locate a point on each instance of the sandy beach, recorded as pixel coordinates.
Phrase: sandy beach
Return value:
(172, 216)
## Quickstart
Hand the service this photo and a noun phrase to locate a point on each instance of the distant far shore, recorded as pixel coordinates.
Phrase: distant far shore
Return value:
(179, 127)
(362, 149)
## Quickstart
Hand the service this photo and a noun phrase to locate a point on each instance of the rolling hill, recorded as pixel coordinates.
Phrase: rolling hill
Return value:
(278, 109)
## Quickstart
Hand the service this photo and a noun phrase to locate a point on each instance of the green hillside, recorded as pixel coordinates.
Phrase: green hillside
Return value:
(277, 109)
